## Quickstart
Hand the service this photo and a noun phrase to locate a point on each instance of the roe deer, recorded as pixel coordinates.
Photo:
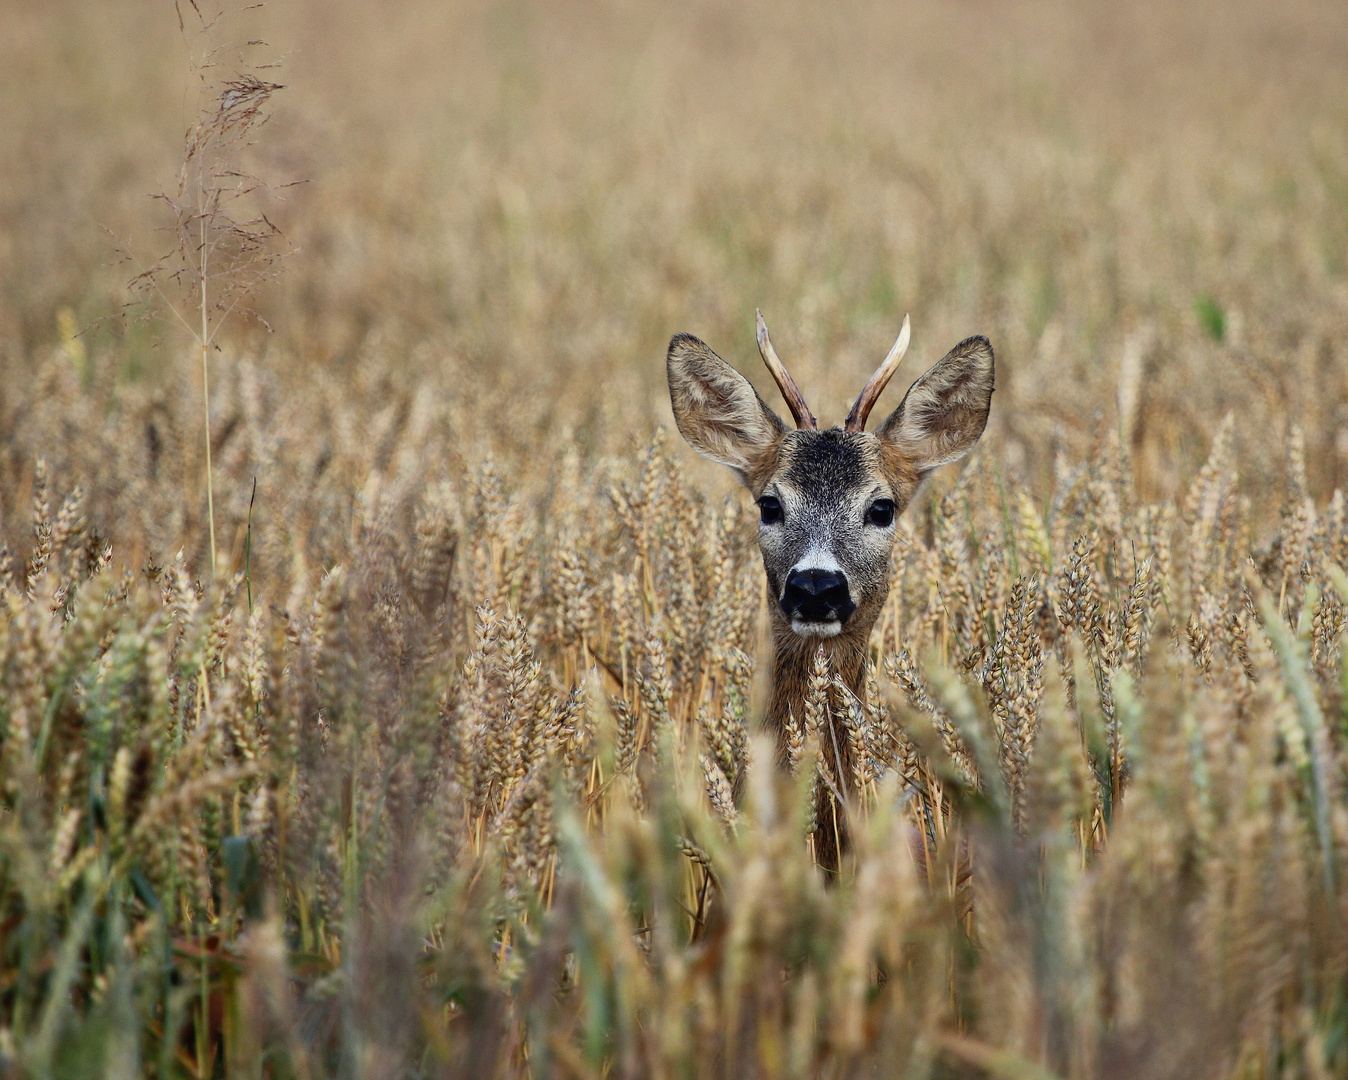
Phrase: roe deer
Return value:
(827, 503)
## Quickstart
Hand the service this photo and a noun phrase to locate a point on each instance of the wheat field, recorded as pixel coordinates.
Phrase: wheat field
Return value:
(425, 740)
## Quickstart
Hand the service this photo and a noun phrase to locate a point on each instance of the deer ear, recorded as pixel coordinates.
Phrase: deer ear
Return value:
(717, 410)
(944, 412)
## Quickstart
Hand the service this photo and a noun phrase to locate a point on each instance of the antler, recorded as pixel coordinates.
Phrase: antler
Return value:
(856, 419)
(795, 400)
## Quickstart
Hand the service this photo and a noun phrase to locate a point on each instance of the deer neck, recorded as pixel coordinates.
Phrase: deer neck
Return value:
(793, 657)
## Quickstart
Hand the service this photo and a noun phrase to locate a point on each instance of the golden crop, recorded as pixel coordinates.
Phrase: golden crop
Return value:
(449, 766)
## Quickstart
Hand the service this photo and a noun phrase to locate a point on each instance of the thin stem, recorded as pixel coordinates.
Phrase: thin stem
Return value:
(248, 548)
(206, 394)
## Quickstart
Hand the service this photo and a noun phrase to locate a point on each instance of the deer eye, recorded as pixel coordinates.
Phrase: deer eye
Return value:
(881, 513)
(769, 510)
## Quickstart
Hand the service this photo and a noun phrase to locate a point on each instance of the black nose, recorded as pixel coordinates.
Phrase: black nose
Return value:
(817, 596)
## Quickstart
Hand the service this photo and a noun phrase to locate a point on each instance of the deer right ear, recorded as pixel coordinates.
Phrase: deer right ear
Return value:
(717, 410)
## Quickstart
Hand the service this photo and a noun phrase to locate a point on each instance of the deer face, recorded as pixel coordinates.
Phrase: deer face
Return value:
(826, 528)
(828, 500)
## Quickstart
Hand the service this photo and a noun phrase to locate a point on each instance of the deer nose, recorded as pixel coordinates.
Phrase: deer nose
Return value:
(817, 596)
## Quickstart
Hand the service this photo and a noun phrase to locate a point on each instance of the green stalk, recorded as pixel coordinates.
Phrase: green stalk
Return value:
(1292, 659)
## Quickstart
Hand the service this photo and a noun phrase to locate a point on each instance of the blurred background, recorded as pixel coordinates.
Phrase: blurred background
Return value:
(1145, 206)
(460, 567)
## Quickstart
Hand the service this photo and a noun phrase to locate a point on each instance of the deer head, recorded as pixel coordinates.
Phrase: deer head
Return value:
(828, 499)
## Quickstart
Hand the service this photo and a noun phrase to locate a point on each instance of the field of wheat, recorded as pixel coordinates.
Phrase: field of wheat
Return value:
(426, 741)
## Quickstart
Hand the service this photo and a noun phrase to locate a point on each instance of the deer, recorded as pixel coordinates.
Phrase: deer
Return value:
(828, 500)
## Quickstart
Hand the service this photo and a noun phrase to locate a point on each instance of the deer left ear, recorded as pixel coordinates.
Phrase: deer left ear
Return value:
(945, 411)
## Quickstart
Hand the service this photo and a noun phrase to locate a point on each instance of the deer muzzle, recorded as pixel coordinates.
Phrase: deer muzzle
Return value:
(817, 602)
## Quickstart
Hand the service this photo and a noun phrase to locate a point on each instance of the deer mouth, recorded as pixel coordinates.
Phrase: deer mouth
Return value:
(827, 629)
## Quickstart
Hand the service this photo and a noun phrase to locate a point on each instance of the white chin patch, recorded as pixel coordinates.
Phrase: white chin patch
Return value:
(816, 629)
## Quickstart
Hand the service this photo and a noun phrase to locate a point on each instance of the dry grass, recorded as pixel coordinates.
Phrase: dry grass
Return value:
(455, 769)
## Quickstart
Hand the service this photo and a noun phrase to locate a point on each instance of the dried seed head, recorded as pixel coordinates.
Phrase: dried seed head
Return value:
(903, 672)
(42, 530)
(816, 717)
(795, 742)
(853, 718)
(718, 791)
(1137, 618)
